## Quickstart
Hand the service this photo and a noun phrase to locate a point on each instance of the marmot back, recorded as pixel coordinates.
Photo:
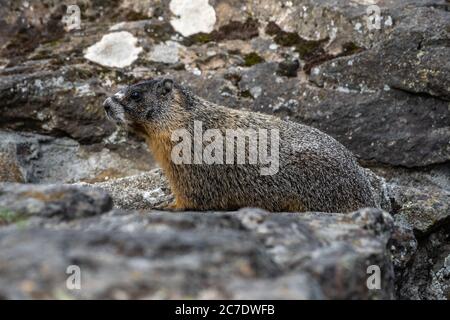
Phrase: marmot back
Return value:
(217, 158)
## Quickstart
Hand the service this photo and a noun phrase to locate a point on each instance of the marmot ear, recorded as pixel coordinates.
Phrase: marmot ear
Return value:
(166, 86)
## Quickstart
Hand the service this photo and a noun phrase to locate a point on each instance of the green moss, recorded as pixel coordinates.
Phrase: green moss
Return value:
(305, 48)
(350, 48)
(8, 216)
(202, 37)
(287, 39)
(246, 94)
(160, 32)
(135, 16)
(252, 58)
(233, 31)
(198, 38)
(53, 43)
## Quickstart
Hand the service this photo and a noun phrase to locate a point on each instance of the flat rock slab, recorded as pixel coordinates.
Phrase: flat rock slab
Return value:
(21, 201)
(149, 190)
(248, 254)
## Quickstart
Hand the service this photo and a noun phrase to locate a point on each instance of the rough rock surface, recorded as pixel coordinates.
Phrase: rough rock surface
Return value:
(200, 255)
(384, 93)
(28, 157)
(144, 191)
(20, 201)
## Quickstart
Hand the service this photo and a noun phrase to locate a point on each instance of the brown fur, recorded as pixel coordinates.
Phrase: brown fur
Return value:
(316, 172)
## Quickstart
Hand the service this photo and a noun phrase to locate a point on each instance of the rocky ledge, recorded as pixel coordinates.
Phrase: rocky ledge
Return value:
(249, 254)
(126, 249)
(77, 191)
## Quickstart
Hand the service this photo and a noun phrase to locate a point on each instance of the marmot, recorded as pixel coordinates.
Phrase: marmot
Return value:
(314, 171)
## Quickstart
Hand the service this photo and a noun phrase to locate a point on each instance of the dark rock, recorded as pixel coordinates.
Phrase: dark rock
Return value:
(307, 49)
(403, 244)
(391, 127)
(288, 68)
(52, 104)
(28, 157)
(413, 58)
(425, 209)
(198, 255)
(234, 30)
(269, 91)
(382, 93)
(427, 276)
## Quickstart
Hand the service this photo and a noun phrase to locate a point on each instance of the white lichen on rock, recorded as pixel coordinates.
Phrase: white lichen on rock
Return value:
(116, 49)
(192, 16)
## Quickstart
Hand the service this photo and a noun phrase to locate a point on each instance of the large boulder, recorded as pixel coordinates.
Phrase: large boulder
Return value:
(35, 158)
(66, 202)
(246, 254)
(383, 93)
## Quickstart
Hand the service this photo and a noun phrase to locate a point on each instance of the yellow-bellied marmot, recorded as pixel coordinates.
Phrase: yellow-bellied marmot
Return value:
(313, 172)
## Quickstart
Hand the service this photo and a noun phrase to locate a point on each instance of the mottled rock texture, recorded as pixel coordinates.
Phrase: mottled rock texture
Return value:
(200, 255)
(384, 93)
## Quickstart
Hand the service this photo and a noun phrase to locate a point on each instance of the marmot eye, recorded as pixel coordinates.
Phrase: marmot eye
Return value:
(135, 95)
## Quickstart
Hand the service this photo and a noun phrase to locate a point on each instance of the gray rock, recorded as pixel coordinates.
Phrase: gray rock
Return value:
(28, 157)
(427, 276)
(393, 127)
(18, 201)
(413, 58)
(144, 191)
(425, 209)
(199, 255)
(382, 93)
(75, 110)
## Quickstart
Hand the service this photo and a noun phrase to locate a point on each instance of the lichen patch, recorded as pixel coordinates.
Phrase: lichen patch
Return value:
(117, 49)
(192, 16)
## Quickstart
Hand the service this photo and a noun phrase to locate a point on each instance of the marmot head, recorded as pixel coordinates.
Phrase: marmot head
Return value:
(147, 102)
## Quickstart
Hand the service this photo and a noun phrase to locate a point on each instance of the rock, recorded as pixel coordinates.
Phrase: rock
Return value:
(61, 201)
(403, 245)
(412, 58)
(27, 157)
(144, 191)
(288, 68)
(383, 92)
(427, 276)
(283, 91)
(394, 127)
(419, 199)
(425, 209)
(53, 104)
(165, 53)
(381, 190)
(437, 176)
(391, 127)
(199, 255)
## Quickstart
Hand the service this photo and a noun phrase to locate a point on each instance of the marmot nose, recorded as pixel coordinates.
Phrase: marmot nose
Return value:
(106, 105)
